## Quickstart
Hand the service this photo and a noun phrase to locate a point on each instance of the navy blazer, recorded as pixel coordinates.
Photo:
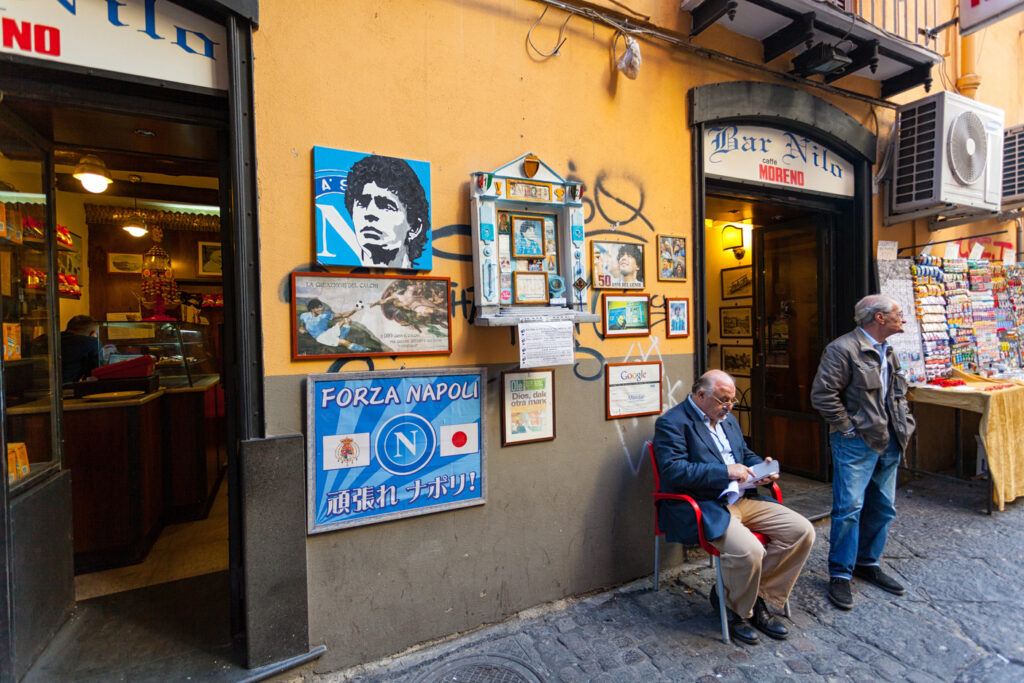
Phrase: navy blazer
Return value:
(689, 462)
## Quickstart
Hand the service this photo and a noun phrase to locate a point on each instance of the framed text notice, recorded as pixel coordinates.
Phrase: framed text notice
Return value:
(632, 389)
(393, 443)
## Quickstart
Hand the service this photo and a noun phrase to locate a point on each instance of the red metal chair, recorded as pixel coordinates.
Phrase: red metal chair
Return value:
(708, 548)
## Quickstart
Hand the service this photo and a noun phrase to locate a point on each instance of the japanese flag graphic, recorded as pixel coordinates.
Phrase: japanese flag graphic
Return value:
(342, 451)
(460, 439)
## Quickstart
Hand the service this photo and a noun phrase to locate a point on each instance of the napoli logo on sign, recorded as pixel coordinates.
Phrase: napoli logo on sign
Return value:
(405, 444)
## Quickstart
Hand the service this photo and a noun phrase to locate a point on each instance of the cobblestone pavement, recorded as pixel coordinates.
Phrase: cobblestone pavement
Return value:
(961, 619)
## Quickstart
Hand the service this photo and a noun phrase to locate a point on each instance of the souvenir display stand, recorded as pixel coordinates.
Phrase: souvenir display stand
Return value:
(529, 260)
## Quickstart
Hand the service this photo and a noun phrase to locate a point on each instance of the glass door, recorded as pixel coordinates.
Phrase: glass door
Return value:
(792, 294)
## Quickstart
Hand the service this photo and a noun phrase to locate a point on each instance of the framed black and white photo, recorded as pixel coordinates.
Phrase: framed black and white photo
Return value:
(209, 264)
(737, 360)
(738, 282)
(528, 406)
(736, 322)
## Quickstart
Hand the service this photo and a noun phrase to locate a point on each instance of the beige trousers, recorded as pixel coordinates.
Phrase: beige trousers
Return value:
(750, 569)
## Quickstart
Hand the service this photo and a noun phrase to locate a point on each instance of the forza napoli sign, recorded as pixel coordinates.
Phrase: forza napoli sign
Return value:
(154, 39)
(774, 157)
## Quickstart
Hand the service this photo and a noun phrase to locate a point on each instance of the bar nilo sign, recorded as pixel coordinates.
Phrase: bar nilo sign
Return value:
(149, 38)
(977, 14)
(769, 156)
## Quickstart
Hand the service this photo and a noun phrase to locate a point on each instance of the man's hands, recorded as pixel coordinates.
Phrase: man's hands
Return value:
(770, 477)
(739, 472)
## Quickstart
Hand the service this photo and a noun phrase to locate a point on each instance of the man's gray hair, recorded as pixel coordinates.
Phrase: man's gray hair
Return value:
(865, 310)
(706, 382)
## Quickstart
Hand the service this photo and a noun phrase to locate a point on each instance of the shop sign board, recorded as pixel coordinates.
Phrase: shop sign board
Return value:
(977, 14)
(156, 40)
(391, 444)
(774, 157)
(371, 210)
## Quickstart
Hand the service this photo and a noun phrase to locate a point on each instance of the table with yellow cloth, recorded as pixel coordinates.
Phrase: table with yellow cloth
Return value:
(1001, 429)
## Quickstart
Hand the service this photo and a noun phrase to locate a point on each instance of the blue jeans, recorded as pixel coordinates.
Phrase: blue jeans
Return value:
(863, 502)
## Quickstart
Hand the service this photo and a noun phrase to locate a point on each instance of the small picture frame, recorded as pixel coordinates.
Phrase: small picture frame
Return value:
(626, 315)
(632, 390)
(124, 263)
(737, 360)
(527, 237)
(530, 287)
(617, 265)
(677, 317)
(671, 258)
(209, 263)
(529, 190)
(738, 282)
(736, 322)
(528, 406)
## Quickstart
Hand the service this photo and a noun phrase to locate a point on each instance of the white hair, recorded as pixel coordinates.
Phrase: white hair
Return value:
(865, 310)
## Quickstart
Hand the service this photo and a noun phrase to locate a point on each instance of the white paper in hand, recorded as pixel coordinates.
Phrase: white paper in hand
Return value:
(761, 470)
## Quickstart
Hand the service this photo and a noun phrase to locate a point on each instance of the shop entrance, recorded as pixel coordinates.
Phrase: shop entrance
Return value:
(771, 309)
(147, 502)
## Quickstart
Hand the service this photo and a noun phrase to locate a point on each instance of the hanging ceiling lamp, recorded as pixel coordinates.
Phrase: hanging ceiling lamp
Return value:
(135, 224)
(92, 173)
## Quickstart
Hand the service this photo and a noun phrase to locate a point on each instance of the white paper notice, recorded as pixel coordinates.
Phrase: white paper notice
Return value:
(546, 343)
(976, 251)
(887, 250)
(952, 250)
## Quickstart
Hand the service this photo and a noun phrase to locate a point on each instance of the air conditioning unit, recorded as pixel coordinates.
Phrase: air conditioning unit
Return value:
(1013, 167)
(949, 158)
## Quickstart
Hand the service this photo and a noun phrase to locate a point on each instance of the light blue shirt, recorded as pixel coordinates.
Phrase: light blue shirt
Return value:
(881, 347)
(717, 432)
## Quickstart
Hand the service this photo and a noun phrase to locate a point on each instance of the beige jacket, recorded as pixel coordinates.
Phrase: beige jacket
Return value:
(847, 391)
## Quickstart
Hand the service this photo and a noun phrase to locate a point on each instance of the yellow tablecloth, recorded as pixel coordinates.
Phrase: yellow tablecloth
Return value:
(1001, 428)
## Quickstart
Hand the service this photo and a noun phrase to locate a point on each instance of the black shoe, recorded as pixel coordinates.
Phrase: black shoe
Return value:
(741, 630)
(874, 574)
(839, 593)
(767, 623)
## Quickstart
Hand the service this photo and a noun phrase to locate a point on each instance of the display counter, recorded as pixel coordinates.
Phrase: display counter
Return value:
(195, 456)
(1000, 404)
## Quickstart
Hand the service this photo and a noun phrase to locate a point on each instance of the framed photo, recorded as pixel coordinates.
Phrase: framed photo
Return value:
(388, 225)
(411, 442)
(736, 322)
(528, 406)
(124, 263)
(737, 360)
(671, 258)
(209, 263)
(632, 389)
(626, 315)
(337, 315)
(617, 265)
(530, 287)
(677, 317)
(738, 282)
(529, 190)
(527, 237)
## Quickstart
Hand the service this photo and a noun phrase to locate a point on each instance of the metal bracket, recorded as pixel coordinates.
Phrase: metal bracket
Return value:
(931, 33)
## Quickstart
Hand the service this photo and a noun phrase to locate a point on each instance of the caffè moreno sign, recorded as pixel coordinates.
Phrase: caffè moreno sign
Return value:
(775, 157)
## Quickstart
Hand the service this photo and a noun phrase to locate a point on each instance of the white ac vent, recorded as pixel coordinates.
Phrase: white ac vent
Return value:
(949, 158)
(1013, 167)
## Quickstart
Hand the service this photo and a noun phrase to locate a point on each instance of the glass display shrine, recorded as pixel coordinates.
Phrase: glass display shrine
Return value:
(529, 261)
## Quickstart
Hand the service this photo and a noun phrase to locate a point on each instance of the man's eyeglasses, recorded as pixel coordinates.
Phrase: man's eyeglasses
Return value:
(725, 404)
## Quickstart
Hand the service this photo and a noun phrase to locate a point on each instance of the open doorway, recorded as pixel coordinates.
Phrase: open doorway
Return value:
(770, 311)
(141, 422)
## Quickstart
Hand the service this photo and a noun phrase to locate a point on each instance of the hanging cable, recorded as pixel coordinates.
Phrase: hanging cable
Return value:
(561, 35)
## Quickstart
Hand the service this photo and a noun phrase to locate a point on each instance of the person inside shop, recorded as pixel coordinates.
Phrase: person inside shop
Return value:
(700, 452)
(629, 264)
(79, 349)
(862, 395)
(390, 212)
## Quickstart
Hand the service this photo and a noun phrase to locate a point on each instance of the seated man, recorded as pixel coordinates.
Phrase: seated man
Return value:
(700, 449)
(79, 349)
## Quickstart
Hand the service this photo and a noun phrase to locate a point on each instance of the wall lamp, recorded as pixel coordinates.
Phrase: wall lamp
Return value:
(92, 173)
(732, 240)
(822, 58)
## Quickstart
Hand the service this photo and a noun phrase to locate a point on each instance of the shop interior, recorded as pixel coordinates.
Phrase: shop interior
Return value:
(141, 409)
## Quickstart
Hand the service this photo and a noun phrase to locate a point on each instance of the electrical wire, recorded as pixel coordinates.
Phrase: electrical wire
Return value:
(561, 35)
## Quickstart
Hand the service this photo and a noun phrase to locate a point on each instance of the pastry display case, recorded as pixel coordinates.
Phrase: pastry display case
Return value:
(181, 351)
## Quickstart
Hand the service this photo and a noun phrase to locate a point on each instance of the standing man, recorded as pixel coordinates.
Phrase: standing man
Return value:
(390, 212)
(700, 451)
(861, 393)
